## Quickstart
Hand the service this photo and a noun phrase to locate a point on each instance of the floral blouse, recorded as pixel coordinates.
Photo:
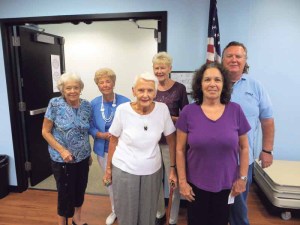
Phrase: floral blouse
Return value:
(70, 128)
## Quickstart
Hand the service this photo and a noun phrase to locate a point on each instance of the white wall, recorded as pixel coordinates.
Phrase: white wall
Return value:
(119, 45)
(269, 28)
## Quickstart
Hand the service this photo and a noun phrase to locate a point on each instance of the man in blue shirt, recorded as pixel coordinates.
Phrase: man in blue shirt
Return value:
(256, 104)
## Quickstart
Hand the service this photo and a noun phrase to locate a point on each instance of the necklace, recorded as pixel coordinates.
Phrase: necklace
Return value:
(145, 121)
(102, 109)
(144, 113)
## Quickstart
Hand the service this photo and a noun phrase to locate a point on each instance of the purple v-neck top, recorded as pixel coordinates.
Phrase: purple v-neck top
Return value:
(212, 157)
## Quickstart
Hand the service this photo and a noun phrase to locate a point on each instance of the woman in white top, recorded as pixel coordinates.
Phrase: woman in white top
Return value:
(134, 158)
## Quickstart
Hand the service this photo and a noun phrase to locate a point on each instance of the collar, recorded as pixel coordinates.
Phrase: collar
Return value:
(243, 77)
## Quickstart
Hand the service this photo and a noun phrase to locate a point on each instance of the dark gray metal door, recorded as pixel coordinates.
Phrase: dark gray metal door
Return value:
(38, 55)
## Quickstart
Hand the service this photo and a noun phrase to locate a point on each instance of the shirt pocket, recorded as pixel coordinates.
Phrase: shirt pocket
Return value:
(250, 105)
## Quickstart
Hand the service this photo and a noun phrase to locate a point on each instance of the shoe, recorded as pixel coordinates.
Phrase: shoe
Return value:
(160, 221)
(111, 218)
(73, 223)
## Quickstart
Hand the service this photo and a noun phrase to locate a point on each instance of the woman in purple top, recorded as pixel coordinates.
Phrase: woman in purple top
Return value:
(216, 131)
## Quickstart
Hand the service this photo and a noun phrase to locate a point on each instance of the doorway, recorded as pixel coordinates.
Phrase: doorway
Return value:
(20, 144)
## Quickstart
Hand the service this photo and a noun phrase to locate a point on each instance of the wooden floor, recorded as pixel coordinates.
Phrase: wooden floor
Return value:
(36, 207)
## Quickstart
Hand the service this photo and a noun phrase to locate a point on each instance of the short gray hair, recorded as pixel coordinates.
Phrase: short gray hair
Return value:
(68, 76)
(148, 77)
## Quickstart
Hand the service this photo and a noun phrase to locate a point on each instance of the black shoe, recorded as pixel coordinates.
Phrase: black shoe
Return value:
(160, 221)
(172, 224)
(73, 223)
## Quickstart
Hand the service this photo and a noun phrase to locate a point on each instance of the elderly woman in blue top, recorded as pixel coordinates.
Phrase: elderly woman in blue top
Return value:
(104, 108)
(65, 128)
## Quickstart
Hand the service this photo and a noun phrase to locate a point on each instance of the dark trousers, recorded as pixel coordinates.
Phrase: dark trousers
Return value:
(209, 208)
(71, 182)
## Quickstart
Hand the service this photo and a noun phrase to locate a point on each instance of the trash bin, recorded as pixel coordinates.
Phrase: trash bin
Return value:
(3, 176)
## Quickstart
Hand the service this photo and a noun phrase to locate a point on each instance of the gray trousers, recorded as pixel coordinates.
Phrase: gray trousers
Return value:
(135, 197)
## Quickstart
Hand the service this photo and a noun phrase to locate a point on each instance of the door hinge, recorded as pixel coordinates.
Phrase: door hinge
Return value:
(16, 41)
(159, 37)
(27, 166)
(22, 106)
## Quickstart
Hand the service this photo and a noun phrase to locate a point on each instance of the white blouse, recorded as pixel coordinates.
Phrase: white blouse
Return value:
(137, 151)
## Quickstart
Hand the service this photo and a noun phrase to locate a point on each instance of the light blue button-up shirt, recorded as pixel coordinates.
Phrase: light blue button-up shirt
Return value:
(256, 104)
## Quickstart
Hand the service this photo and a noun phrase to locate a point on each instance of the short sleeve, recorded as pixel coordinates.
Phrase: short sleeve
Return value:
(169, 127)
(265, 104)
(181, 123)
(184, 98)
(50, 112)
(244, 126)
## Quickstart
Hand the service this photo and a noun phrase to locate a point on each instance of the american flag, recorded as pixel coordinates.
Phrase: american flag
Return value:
(213, 40)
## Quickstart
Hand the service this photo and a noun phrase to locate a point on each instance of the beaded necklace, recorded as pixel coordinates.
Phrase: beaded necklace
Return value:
(102, 109)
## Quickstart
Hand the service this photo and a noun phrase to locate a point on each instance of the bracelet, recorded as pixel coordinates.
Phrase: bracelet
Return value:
(268, 152)
(174, 166)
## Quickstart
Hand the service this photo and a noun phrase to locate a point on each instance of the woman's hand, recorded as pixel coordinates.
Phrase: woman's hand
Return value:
(47, 134)
(174, 119)
(67, 156)
(173, 178)
(107, 177)
(239, 186)
(186, 191)
(103, 135)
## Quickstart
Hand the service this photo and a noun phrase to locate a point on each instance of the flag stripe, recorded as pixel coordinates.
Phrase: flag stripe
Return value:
(213, 40)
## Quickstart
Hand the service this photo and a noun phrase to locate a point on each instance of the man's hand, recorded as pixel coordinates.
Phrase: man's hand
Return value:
(266, 159)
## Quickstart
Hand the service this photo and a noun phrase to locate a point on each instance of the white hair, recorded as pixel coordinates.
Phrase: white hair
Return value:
(148, 77)
(68, 77)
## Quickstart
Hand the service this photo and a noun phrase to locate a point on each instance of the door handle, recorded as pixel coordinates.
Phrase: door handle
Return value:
(37, 111)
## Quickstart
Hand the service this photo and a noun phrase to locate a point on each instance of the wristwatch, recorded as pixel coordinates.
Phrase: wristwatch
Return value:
(244, 178)
(268, 152)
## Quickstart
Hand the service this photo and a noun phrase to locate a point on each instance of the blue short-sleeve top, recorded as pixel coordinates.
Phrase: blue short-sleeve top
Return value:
(70, 128)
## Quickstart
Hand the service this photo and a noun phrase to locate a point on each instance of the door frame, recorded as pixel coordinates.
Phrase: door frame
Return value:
(11, 73)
